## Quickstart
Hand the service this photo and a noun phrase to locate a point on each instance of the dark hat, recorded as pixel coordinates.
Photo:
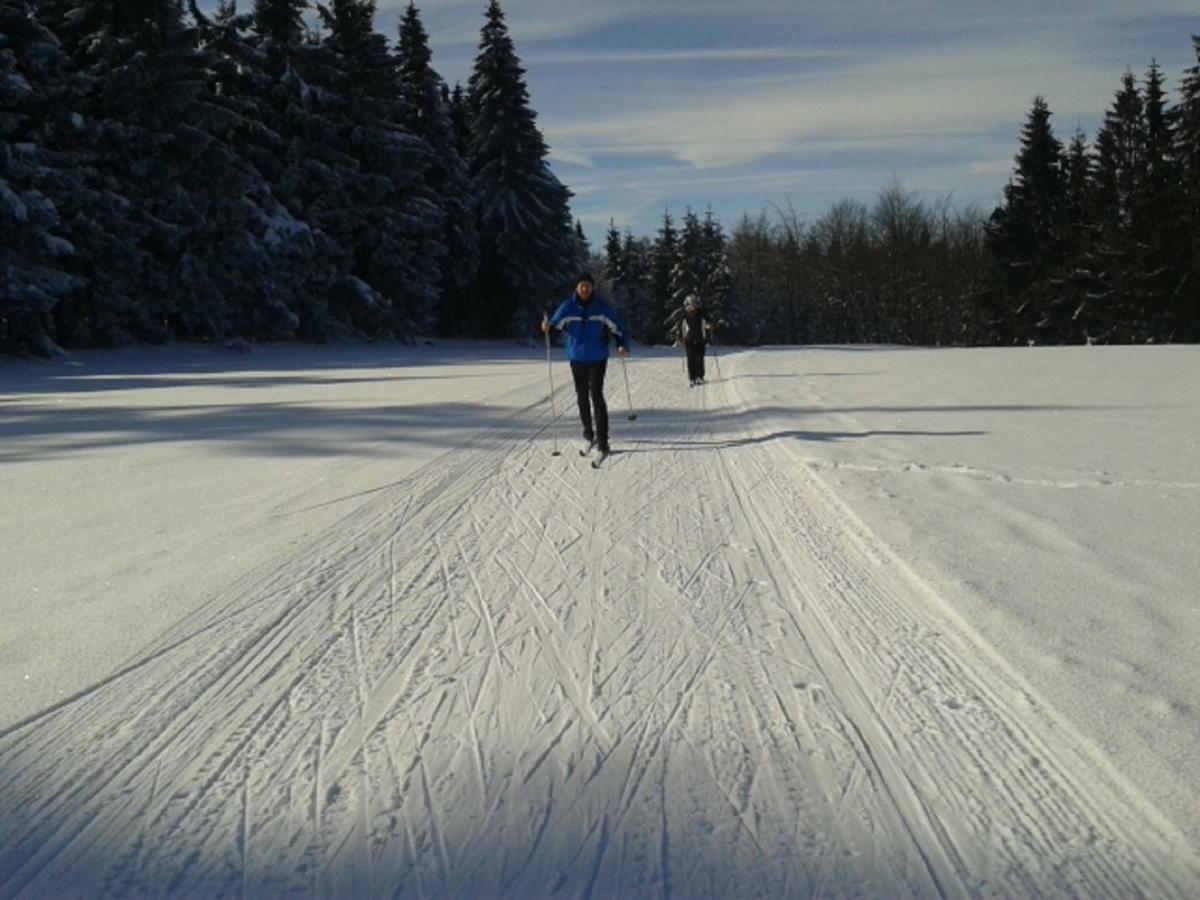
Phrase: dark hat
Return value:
(586, 276)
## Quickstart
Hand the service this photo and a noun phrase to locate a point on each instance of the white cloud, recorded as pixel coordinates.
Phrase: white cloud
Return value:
(562, 153)
(710, 54)
(953, 92)
(998, 167)
(453, 22)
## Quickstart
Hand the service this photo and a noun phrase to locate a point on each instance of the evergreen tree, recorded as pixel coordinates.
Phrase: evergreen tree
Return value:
(645, 320)
(33, 277)
(384, 215)
(273, 266)
(661, 298)
(459, 108)
(1156, 243)
(1159, 174)
(1082, 280)
(687, 274)
(529, 251)
(582, 248)
(280, 22)
(164, 192)
(1026, 234)
(428, 117)
(1185, 155)
(420, 86)
(715, 272)
(1121, 149)
(614, 273)
(122, 73)
(1120, 178)
(1078, 201)
(613, 267)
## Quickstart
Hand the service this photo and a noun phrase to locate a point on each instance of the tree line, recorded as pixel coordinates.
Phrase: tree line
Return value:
(169, 174)
(1094, 243)
(1101, 243)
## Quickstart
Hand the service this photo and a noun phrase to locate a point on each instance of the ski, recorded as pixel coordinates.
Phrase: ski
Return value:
(596, 463)
(586, 451)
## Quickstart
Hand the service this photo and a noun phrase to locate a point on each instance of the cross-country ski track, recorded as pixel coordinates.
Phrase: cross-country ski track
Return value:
(694, 672)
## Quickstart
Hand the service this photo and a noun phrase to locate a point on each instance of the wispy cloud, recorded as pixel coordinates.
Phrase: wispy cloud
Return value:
(711, 54)
(958, 90)
(1001, 168)
(452, 22)
(564, 153)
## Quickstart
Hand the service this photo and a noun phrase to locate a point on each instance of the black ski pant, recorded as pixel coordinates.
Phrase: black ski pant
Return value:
(695, 361)
(589, 391)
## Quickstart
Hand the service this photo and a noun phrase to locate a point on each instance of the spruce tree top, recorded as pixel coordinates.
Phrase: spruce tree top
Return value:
(280, 21)
(504, 122)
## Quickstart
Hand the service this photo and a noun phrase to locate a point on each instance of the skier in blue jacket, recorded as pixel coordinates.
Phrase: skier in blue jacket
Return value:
(587, 321)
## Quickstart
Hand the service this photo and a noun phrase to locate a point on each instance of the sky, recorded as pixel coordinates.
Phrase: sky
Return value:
(787, 106)
(857, 621)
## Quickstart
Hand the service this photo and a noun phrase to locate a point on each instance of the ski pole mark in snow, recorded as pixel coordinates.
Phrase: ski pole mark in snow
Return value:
(696, 673)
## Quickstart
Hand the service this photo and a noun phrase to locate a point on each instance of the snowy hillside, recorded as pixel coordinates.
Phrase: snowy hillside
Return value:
(842, 621)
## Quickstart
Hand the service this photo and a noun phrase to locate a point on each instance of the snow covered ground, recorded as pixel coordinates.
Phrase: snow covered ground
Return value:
(842, 621)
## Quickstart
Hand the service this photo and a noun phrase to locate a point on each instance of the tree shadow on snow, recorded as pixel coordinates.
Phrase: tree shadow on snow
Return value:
(276, 429)
(270, 366)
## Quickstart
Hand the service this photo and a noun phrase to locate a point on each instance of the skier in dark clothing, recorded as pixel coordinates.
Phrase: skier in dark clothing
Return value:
(587, 321)
(693, 331)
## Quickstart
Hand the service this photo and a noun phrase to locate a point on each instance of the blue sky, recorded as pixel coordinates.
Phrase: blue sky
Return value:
(752, 105)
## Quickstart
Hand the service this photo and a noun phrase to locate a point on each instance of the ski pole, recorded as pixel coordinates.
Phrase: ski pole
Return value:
(550, 372)
(628, 396)
(716, 357)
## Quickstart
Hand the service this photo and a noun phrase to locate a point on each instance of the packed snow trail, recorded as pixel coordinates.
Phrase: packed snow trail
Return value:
(693, 672)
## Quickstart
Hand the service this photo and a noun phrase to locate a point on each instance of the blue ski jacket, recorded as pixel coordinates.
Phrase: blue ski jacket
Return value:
(587, 327)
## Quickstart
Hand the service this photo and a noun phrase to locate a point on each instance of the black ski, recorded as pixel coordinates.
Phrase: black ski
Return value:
(586, 451)
(596, 463)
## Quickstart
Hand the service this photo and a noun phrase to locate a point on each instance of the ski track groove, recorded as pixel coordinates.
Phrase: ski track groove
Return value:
(857, 573)
(635, 776)
(307, 733)
(567, 681)
(278, 628)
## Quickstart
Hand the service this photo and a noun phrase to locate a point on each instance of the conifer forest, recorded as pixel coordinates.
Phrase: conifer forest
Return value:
(280, 171)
